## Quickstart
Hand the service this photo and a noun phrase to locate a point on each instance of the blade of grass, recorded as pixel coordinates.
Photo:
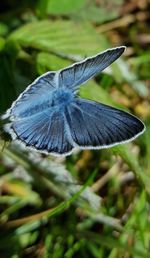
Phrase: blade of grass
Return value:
(54, 211)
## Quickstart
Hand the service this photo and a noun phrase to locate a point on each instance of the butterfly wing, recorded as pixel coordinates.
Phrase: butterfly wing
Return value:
(45, 131)
(95, 125)
(35, 98)
(52, 123)
(78, 73)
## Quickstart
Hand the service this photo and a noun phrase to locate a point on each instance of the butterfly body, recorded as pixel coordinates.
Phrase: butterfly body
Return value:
(48, 116)
(62, 98)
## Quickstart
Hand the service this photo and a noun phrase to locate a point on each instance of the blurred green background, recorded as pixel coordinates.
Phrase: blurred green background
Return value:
(92, 203)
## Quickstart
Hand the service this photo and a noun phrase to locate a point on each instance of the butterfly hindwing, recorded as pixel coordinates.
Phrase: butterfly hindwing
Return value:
(45, 131)
(96, 125)
(78, 73)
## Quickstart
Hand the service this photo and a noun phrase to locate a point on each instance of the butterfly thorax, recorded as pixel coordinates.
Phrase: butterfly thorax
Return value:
(62, 98)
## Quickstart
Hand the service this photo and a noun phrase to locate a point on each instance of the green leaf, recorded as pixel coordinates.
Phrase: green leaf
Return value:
(91, 90)
(85, 9)
(46, 61)
(61, 37)
(2, 43)
(98, 14)
(65, 7)
(3, 29)
(7, 88)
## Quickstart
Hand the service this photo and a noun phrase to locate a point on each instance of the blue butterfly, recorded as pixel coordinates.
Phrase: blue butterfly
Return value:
(49, 116)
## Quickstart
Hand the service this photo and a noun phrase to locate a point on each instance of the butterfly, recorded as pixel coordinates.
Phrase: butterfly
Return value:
(49, 116)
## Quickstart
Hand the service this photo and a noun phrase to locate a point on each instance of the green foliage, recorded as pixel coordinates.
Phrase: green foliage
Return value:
(92, 203)
(84, 9)
(59, 37)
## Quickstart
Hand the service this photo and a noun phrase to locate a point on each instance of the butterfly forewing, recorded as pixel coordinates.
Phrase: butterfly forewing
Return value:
(77, 74)
(36, 97)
